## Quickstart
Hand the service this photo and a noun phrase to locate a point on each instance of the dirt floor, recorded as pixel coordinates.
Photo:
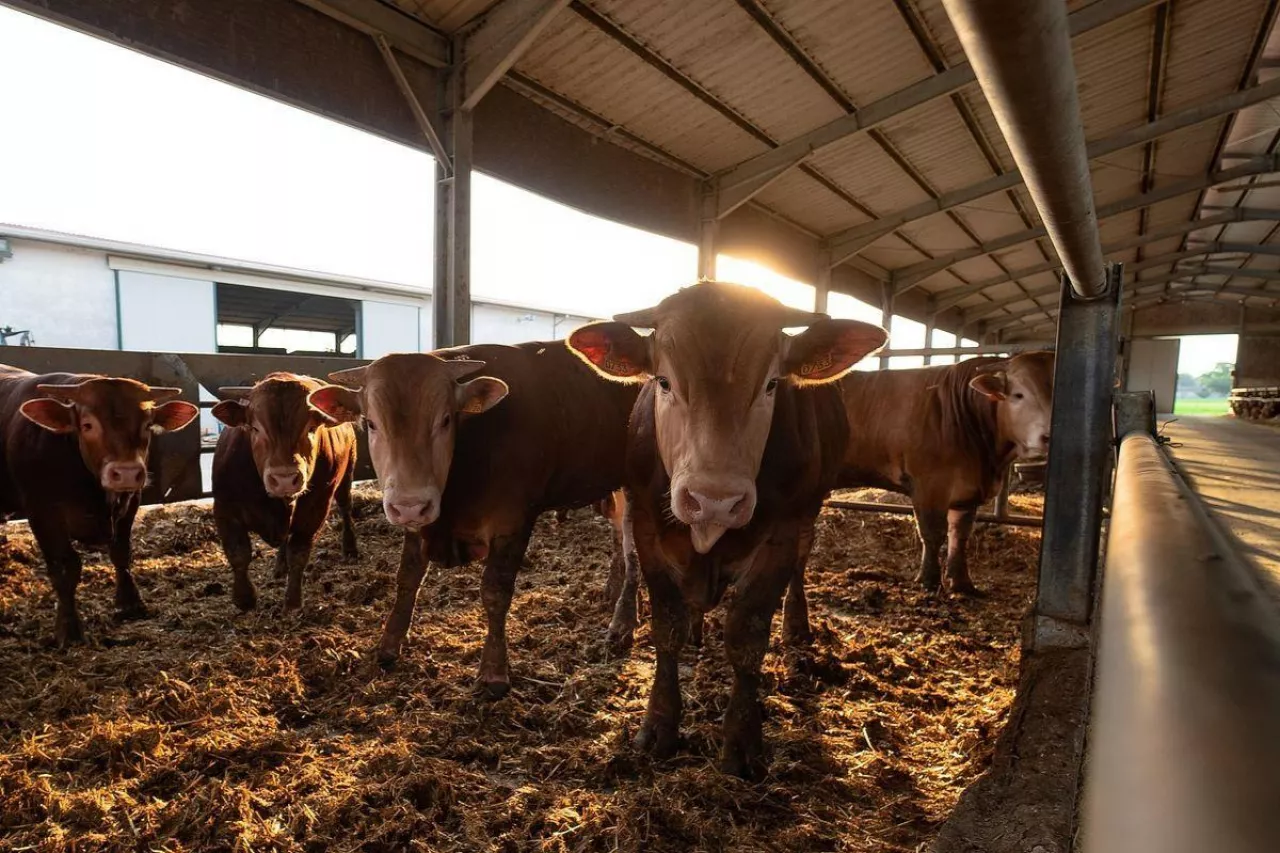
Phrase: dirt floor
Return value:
(202, 729)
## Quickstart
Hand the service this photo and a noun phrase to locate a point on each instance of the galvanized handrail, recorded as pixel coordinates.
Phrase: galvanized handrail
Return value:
(1184, 753)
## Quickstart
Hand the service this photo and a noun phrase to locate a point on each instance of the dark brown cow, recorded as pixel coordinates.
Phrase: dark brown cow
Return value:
(74, 461)
(275, 473)
(467, 462)
(735, 440)
(944, 436)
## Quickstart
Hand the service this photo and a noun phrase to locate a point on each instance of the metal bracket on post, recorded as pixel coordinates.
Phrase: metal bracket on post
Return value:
(1079, 462)
(886, 316)
(1135, 412)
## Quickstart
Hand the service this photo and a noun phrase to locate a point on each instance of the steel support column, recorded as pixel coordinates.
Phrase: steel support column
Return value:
(451, 291)
(708, 234)
(1079, 462)
(929, 323)
(886, 316)
(822, 286)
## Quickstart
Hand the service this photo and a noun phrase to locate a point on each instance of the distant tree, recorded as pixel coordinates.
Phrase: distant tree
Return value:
(1217, 382)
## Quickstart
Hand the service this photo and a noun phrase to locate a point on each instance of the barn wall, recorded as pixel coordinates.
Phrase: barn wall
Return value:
(160, 313)
(66, 297)
(1203, 318)
(1258, 360)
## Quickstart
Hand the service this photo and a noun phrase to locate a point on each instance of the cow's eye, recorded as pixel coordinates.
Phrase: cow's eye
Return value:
(372, 427)
(1017, 395)
(86, 426)
(771, 385)
(664, 383)
(445, 421)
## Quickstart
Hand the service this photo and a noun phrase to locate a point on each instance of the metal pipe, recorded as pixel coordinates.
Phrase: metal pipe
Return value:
(903, 509)
(1021, 53)
(1184, 744)
(1079, 462)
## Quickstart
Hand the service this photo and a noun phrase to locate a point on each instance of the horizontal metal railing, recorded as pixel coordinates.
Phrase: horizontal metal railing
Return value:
(1184, 751)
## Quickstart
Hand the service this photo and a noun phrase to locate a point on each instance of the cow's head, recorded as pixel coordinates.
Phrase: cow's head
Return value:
(717, 357)
(282, 428)
(113, 420)
(411, 404)
(1022, 389)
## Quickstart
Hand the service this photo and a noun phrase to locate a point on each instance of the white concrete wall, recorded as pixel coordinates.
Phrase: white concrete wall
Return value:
(498, 324)
(161, 313)
(387, 327)
(65, 296)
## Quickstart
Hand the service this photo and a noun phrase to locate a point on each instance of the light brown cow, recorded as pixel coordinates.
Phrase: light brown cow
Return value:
(735, 440)
(471, 444)
(275, 473)
(73, 459)
(944, 436)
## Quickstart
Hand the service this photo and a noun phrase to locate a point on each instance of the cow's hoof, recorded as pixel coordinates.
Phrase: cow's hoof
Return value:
(132, 612)
(244, 599)
(659, 739)
(929, 583)
(350, 555)
(493, 688)
(387, 660)
(745, 763)
(620, 641)
(967, 588)
(797, 638)
(68, 633)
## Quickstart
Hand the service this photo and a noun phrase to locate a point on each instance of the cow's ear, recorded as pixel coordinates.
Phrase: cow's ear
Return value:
(338, 404)
(613, 349)
(480, 394)
(992, 385)
(830, 348)
(233, 413)
(173, 415)
(50, 414)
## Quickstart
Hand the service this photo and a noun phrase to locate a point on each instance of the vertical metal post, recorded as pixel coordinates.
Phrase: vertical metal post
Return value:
(822, 286)
(451, 293)
(886, 317)
(928, 333)
(708, 234)
(1002, 499)
(1079, 461)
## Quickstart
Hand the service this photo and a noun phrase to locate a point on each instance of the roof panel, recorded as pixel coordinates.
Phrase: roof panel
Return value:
(935, 140)
(1208, 50)
(861, 166)
(865, 47)
(575, 59)
(937, 234)
(799, 197)
(719, 46)
(986, 121)
(1111, 68)
(448, 15)
(891, 252)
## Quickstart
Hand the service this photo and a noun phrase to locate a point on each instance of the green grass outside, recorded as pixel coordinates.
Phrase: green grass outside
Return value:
(1201, 406)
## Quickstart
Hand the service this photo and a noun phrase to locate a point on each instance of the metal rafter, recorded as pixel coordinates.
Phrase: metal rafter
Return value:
(497, 42)
(410, 35)
(1155, 89)
(794, 151)
(850, 241)
(954, 296)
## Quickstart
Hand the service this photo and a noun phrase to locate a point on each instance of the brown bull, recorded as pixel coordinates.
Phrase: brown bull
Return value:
(471, 444)
(275, 473)
(73, 459)
(735, 441)
(944, 436)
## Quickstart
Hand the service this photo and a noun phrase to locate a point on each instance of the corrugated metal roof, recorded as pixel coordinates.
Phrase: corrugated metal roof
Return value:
(727, 87)
(447, 15)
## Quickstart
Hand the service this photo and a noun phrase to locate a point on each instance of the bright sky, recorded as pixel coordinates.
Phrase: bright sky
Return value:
(1198, 354)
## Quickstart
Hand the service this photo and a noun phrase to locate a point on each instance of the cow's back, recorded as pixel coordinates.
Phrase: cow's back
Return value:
(558, 439)
(903, 423)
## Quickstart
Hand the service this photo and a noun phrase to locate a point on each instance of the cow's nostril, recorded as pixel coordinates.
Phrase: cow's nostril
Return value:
(1045, 438)
(738, 505)
(690, 503)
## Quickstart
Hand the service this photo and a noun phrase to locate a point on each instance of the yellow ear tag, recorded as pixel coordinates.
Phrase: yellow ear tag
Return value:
(817, 366)
(473, 406)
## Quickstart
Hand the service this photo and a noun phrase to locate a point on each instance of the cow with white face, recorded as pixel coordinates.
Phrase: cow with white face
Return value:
(1022, 389)
(735, 440)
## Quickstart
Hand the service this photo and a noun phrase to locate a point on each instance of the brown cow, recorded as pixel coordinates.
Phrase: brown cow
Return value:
(944, 436)
(275, 473)
(735, 440)
(467, 462)
(74, 461)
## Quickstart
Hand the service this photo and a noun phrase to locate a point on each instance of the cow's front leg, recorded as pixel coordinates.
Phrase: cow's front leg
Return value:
(932, 526)
(128, 600)
(234, 537)
(297, 552)
(960, 528)
(64, 568)
(413, 565)
(795, 616)
(506, 553)
(626, 610)
(746, 639)
(350, 547)
(669, 623)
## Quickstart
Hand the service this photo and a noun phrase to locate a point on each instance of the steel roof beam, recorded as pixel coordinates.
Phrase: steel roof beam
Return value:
(491, 48)
(1233, 214)
(407, 33)
(1247, 248)
(1244, 272)
(1258, 166)
(792, 152)
(853, 240)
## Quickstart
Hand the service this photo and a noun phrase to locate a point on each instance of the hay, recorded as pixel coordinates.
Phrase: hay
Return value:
(202, 729)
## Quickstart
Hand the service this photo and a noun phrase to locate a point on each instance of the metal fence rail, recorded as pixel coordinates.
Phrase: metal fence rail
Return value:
(1184, 755)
